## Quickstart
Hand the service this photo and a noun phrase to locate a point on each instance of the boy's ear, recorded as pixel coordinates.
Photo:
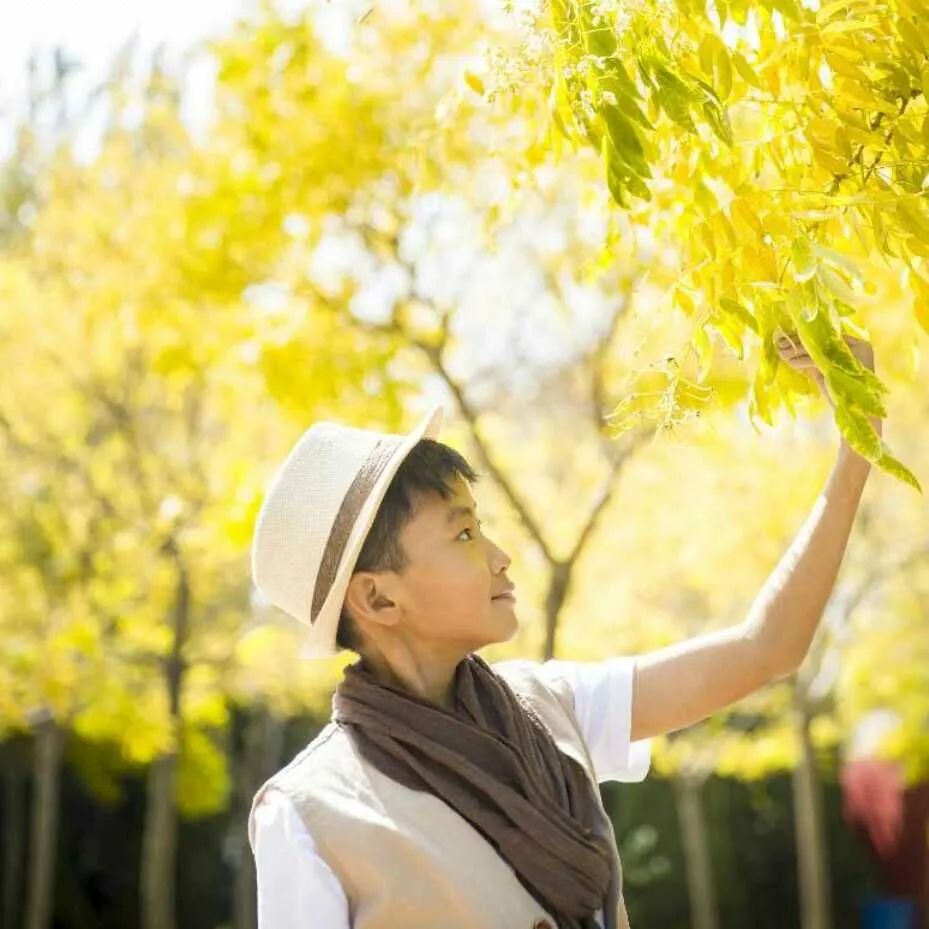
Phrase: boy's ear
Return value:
(367, 600)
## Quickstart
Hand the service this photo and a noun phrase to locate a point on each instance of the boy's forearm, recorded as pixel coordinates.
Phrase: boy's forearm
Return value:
(787, 610)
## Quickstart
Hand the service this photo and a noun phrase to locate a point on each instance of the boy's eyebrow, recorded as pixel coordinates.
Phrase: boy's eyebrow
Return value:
(456, 511)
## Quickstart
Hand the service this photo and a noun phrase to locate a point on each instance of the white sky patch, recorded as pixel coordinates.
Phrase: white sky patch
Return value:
(92, 32)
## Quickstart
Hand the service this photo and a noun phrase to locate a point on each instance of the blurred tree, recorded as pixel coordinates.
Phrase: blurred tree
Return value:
(126, 550)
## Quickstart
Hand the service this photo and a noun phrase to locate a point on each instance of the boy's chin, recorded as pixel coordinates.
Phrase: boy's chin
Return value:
(509, 633)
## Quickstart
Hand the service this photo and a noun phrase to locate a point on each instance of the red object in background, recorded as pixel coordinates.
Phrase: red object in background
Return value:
(894, 822)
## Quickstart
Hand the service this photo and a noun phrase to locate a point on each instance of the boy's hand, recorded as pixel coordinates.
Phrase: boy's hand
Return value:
(792, 351)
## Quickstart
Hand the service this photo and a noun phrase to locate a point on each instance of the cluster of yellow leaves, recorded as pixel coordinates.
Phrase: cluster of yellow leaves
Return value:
(782, 149)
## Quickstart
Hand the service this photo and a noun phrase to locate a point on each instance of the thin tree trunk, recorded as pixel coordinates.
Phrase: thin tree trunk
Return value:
(244, 886)
(558, 584)
(812, 855)
(159, 841)
(159, 846)
(259, 759)
(704, 912)
(14, 839)
(44, 824)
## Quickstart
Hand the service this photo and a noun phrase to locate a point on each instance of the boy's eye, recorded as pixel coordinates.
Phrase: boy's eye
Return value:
(463, 531)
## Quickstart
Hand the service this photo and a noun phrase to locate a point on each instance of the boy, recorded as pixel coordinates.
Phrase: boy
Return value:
(445, 791)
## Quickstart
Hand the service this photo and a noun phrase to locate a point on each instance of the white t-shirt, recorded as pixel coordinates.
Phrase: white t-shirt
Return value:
(298, 890)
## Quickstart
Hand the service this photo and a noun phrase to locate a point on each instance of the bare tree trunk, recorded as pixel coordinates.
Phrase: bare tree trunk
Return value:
(558, 583)
(14, 838)
(260, 758)
(44, 824)
(159, 841)
(812, 856)
(704, 912)
(159, 846)
(244, 883)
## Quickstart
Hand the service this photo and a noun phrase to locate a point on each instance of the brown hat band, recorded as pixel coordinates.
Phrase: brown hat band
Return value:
(347, 515)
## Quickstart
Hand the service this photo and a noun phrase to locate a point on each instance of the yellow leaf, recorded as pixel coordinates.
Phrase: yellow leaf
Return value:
(911, 36)
(921, 312)
(723, 71)
(843, 65)
(683, 299)
(704, 348)
(914, 219)
(744, 217)
(862, 95)
(746, 70)
(474, 82)
(917, 246)
(828, 158)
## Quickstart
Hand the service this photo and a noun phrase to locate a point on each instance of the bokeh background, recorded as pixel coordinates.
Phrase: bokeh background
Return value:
(220, 223)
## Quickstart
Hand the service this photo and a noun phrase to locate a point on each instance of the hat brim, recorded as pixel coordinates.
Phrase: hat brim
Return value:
(319, 639)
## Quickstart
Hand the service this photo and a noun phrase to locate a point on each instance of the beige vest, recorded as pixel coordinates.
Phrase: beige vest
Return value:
(407, 860)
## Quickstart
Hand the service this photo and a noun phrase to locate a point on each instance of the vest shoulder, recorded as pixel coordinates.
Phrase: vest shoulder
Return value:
(328, 757)
(537, 680)
(316, 777)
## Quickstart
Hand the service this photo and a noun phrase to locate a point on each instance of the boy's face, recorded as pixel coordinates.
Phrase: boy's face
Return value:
(453, 572)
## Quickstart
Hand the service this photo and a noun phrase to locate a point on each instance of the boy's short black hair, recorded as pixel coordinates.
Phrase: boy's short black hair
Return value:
(429, 466)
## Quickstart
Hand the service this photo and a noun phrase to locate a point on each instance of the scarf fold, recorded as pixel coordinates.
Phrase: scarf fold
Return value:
(494, 761)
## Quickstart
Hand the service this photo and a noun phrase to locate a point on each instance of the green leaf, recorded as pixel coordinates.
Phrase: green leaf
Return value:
(802, 303)
(631, 109)
(673, 96)
(699, 91)
(859, 433)
(616, 78)
(718, 119)
(804, 259)
(736, 309)
(895, 467)
(846, 389)
(625, 142)
(837, 286)
(598, 39)
(746, 70)
(613, 176)
(638, 187)
(620, 129)
(829, 350)
(837, 258)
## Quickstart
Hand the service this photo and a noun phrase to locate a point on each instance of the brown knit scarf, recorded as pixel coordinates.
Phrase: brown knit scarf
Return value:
(494, 761)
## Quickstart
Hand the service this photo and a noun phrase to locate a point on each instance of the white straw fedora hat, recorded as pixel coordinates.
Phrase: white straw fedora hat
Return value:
(315, 517)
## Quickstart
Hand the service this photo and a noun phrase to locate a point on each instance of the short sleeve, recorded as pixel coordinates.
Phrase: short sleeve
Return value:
(296, 888)
(603, 707)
